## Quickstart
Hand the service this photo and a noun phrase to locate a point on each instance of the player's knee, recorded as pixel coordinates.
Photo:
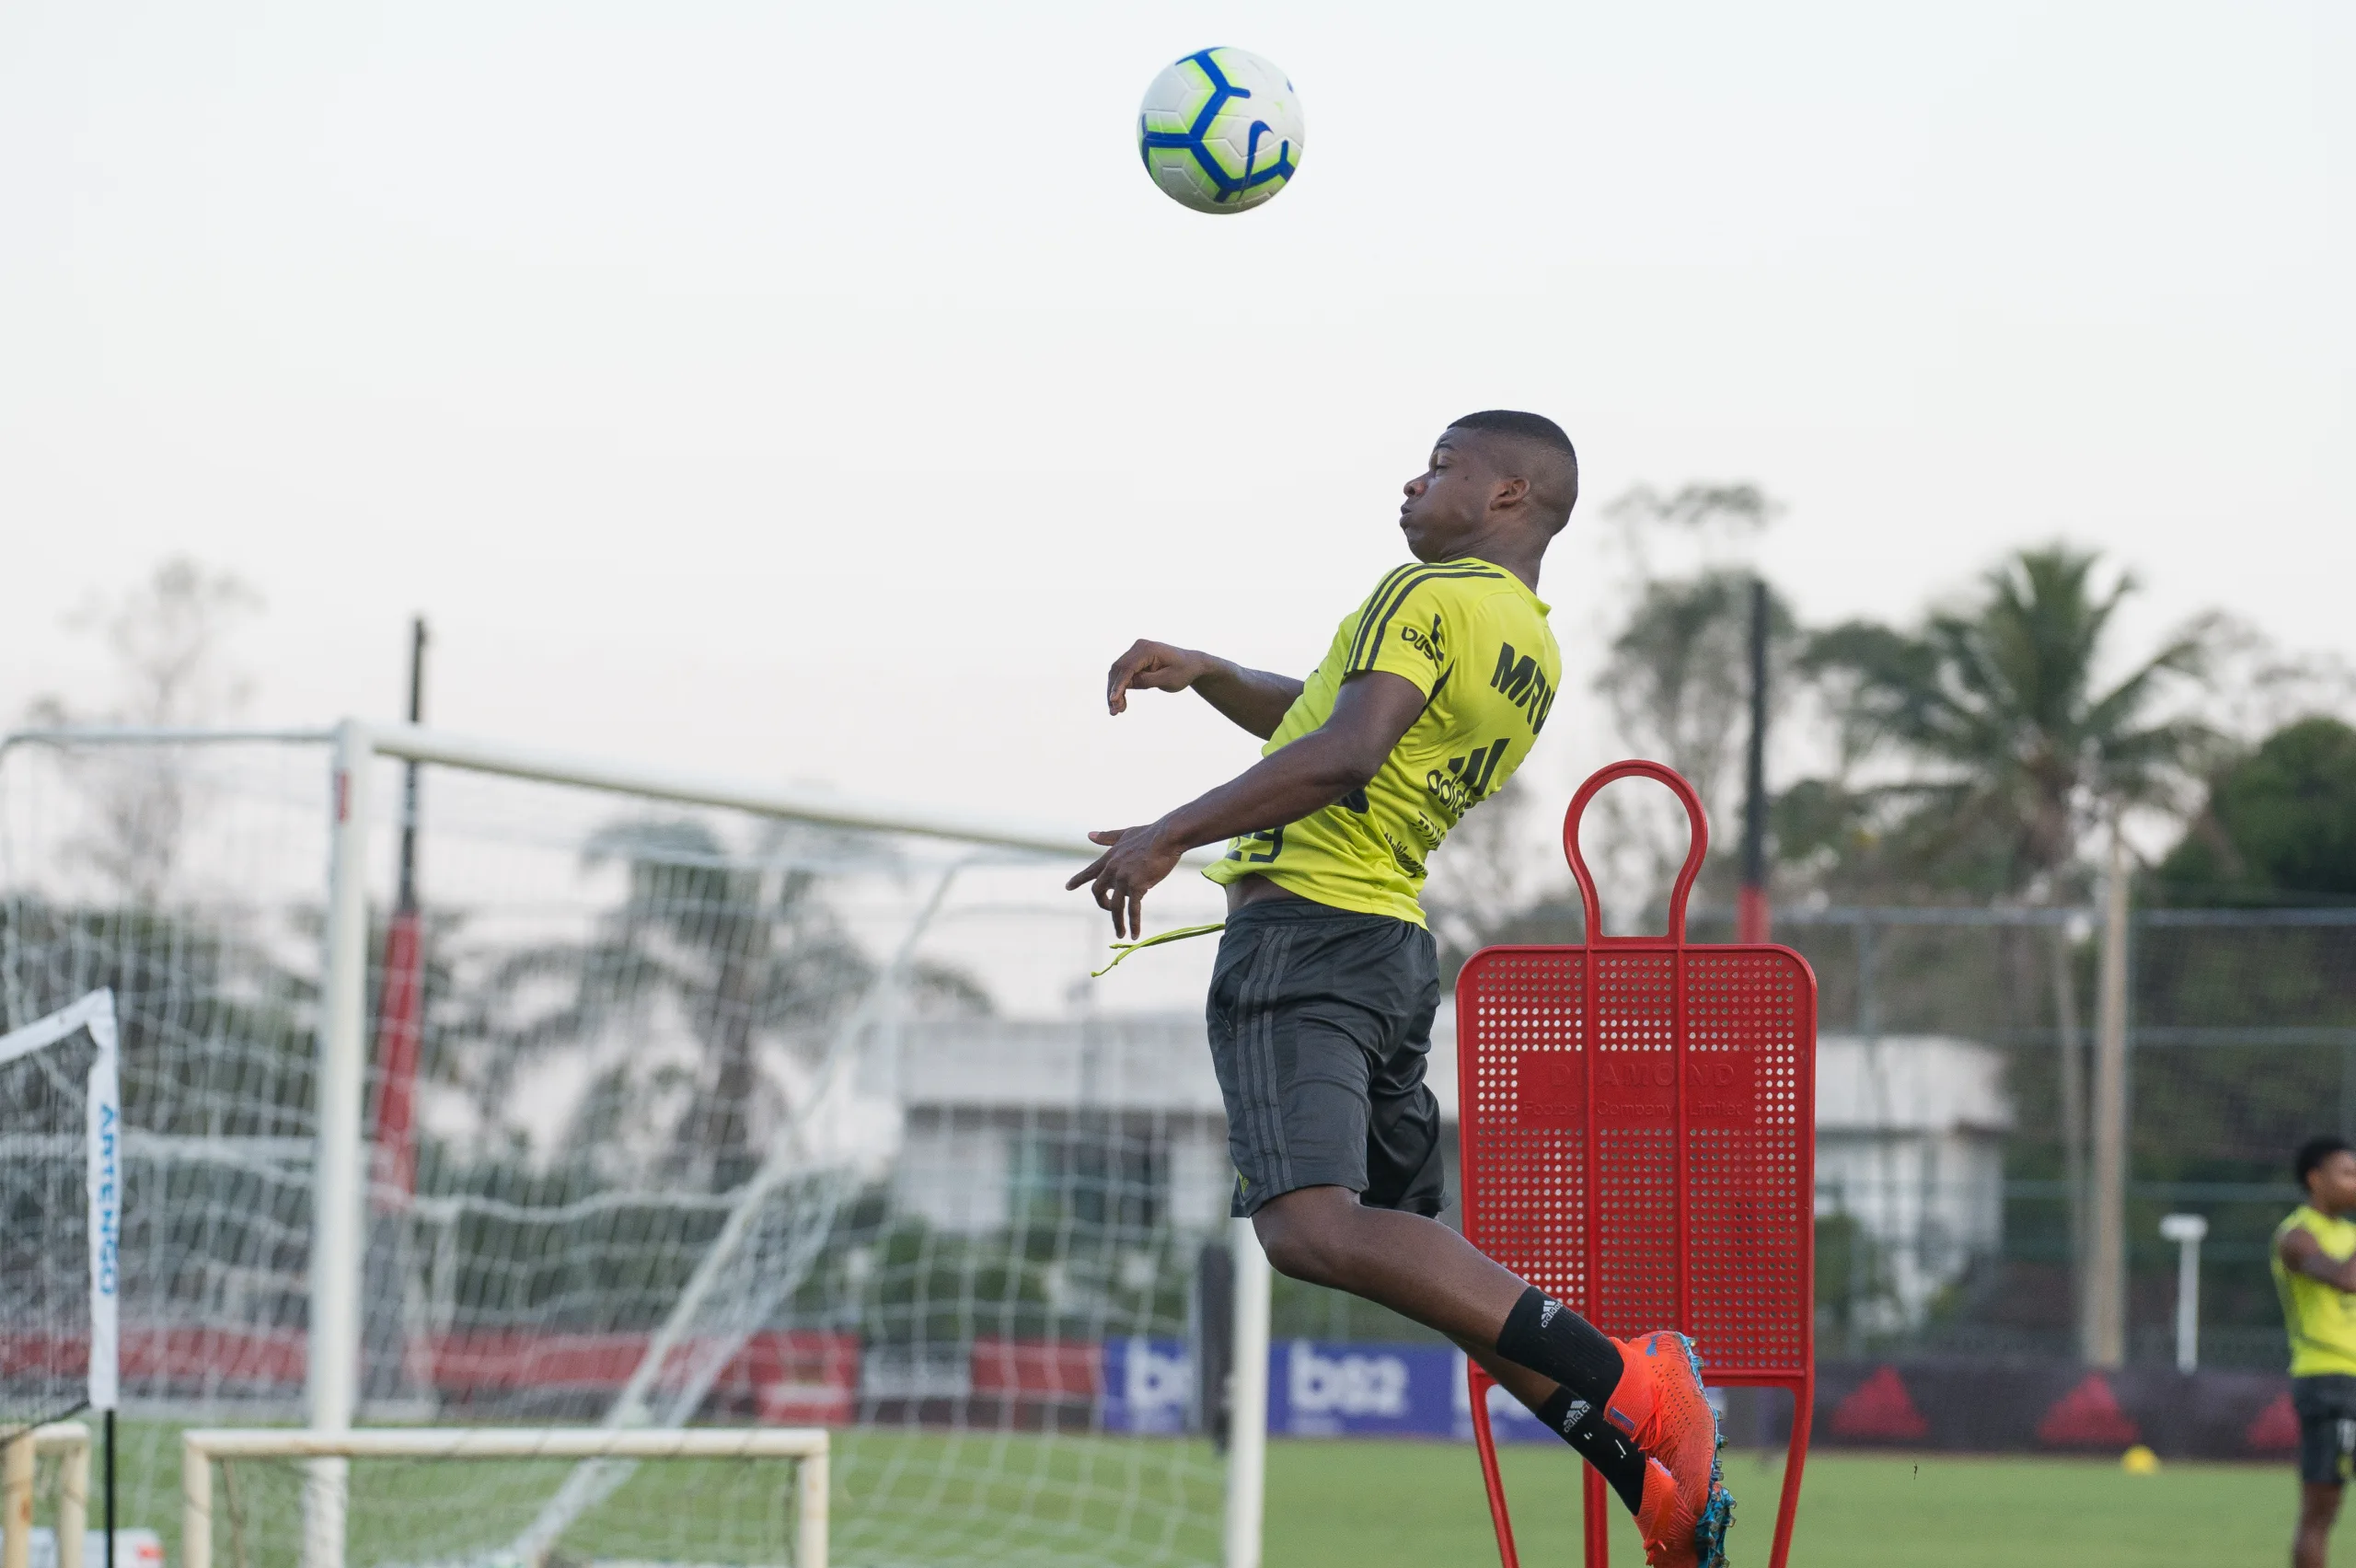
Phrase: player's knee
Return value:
(1296, 1251)
(1302, 1243)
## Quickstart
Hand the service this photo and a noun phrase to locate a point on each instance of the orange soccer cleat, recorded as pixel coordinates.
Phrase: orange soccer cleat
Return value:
(1661, 1405)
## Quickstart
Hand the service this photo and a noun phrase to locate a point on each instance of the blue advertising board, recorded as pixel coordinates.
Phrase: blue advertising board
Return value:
(1382, 1390)
(1315, 1390)
(1146, 1387)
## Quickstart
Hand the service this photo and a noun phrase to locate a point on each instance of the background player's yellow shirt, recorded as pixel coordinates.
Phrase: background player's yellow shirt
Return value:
(1473, 640)
(2320, 1319)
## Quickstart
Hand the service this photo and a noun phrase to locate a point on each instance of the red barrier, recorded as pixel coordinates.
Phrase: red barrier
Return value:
(1637, 1117)
(796, 1368)
(258, 1357)
(1041, 1370)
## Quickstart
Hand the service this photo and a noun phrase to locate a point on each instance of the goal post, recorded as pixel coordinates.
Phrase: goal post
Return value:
(61, 1209)
(60, 1452)
(60, 1131)
(956, 1297)
(1247, 1457)
(421, 1447)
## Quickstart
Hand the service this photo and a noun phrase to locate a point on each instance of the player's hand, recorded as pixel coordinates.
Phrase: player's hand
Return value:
(1135, 859)
(1151, 666)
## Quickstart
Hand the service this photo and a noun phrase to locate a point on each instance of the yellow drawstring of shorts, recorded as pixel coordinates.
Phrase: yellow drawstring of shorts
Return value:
(1180, 935)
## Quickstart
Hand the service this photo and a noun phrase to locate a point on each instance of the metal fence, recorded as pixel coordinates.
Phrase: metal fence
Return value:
(1955, 1066)
(2241, 1043)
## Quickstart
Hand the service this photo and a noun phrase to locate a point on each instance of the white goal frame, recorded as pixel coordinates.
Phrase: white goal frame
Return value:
(808, 1447)
(102, 1176)
(70, 1441)
(340, 1169)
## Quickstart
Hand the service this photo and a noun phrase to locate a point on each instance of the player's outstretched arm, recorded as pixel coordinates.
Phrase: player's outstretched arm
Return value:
(1255, 699)
(2304, 1253)
(1370, 713)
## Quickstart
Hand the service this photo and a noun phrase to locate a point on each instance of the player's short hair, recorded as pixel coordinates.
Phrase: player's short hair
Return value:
(1556, 490)
(2314, 1151)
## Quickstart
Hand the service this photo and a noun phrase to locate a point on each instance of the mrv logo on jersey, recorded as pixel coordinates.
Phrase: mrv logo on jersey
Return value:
(1524, 685)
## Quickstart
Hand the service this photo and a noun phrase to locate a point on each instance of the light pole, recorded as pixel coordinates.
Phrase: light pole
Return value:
(2186, 1230)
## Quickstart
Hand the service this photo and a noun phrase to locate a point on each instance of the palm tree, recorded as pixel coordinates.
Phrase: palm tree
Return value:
(740, 950)
(2012, 746)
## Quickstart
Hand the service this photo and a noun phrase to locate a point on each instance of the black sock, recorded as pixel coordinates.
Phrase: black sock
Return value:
(1554, 1342)
(1581, 1425)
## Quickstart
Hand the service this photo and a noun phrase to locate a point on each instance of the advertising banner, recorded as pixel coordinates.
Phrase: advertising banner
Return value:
(1315, 1390)
(1146, 1387)
(1970, 1406)
(1382, 1390)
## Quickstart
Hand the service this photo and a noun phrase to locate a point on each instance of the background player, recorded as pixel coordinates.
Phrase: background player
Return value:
(1323, 994)
(2314, 1274)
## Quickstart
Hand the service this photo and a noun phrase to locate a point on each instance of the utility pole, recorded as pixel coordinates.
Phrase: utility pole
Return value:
(2103, 1330)
(1752, 918)
(399, 1011)
(407, 895)
(2072, 1064)
(394, 1329)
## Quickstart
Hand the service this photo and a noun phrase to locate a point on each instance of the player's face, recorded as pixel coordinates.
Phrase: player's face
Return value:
(1448, 503)
(2333, 1183)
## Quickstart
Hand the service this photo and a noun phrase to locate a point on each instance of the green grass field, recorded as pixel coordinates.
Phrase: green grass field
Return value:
(1331, 1504)
(1373, 1504)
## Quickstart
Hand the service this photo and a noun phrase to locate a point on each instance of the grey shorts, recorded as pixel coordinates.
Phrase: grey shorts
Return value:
(1321, 1026)
(2327, 1407)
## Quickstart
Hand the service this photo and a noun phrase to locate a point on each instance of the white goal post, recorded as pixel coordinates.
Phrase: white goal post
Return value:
(68, 1443)
(201, 1448)
(339, 1176)
(71, 1256)
(96, 1219)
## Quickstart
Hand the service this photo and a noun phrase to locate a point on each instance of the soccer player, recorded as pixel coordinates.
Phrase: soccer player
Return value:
(2314, 1274)
(1326, 982)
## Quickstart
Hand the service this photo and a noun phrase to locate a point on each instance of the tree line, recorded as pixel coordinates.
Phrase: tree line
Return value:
(1974, 753)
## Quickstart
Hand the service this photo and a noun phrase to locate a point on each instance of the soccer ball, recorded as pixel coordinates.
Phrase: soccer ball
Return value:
(1220, 131)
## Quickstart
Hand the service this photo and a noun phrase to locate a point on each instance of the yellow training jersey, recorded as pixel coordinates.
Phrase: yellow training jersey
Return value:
(2320, 1319)
(1473, 639)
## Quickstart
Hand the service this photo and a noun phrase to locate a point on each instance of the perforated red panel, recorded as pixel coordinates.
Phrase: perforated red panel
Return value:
(1731, 1208)
(1638, 1126)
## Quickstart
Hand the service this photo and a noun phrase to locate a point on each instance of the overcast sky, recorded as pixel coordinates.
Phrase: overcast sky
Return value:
(825, 393)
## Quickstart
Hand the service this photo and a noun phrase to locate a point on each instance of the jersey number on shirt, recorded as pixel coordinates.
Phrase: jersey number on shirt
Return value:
(1273, 839)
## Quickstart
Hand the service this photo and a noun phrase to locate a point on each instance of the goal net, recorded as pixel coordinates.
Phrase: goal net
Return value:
(679, 1106)
(59, 1136)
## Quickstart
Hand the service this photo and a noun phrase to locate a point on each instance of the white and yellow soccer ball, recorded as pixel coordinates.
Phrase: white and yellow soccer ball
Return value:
(1220, 131)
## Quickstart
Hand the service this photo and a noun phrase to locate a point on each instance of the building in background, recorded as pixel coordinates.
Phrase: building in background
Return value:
(1121, 1113)
(1909, 1158)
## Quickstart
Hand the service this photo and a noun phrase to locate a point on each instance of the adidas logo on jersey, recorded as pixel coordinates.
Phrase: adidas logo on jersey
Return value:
(1466, 782)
